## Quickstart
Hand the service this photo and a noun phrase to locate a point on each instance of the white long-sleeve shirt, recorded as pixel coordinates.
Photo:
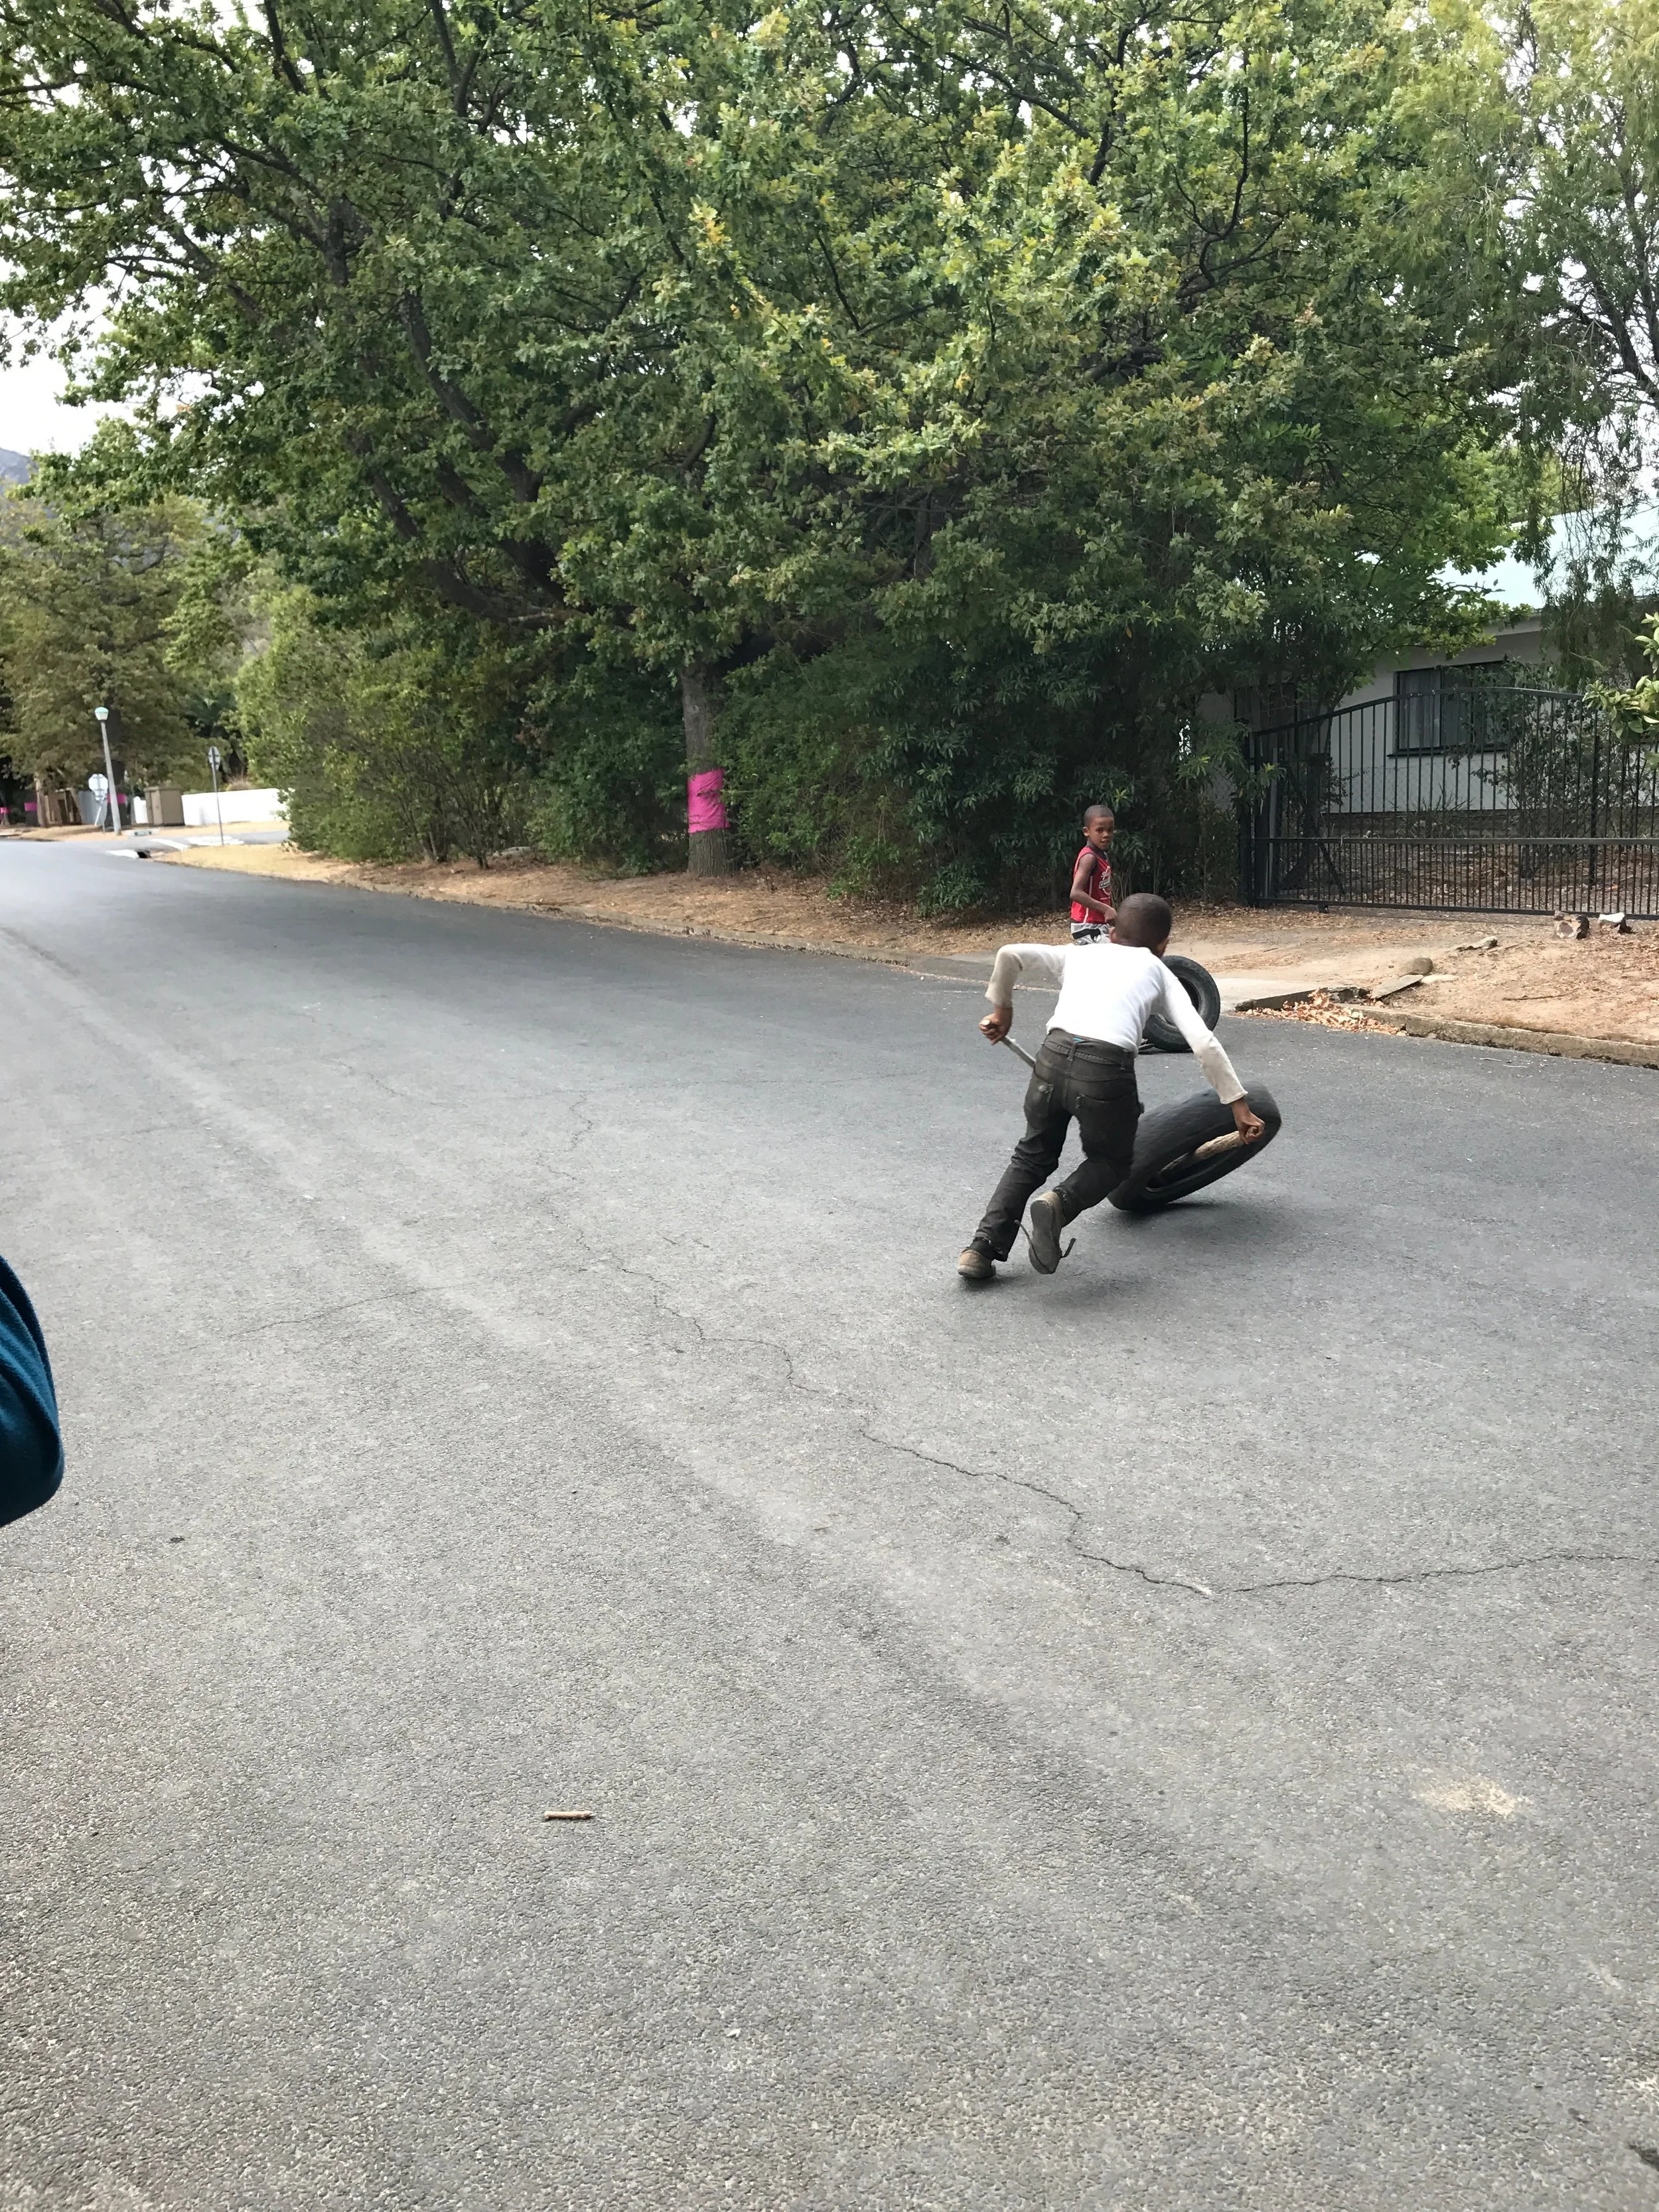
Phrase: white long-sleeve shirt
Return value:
(1107, 992)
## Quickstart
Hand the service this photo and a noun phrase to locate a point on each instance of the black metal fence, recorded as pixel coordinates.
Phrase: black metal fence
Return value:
(1492, 799)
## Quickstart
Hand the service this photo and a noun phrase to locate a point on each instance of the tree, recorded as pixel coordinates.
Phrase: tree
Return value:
(103, 605)
(1556, 129)
(406, 257)
(399, 742)
(1194, 406)
(1578, 170)
(1004, 383)
(390, 743)
(1634, 707)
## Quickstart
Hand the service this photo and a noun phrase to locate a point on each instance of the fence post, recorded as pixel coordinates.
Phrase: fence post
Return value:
(1250, 823)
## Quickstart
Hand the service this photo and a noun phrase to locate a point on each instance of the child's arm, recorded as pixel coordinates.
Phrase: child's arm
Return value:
(1038, 964)
(1212, 1057)
(1080, 875)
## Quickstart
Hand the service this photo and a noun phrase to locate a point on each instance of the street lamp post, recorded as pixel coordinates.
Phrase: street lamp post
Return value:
(102, 714)
(218, 803)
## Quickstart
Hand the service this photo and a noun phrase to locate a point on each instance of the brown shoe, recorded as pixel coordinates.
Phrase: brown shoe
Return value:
(975, 1266)
(1042, 1227)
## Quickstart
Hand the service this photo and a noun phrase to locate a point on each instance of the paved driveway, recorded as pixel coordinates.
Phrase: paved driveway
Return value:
(1178, 1735)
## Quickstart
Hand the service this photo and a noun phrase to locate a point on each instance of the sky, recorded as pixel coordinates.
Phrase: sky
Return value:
(31, 419)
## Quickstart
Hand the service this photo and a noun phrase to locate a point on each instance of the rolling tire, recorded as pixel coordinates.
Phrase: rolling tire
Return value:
(1200, 987)
(1164, 1169)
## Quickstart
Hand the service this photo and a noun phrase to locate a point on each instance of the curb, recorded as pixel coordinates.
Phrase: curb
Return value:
(1558, 1043)
(881, 956)
(1506, 1037)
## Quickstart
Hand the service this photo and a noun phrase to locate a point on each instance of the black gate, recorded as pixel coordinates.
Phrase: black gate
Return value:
(1490, 798)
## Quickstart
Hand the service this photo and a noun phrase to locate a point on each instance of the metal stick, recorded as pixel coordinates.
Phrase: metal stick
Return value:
(1019, 1052)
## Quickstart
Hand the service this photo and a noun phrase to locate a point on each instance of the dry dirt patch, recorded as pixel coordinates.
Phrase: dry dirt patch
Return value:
(1603, 986)
(264, 861)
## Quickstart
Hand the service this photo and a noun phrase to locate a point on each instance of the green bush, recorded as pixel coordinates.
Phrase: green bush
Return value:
(958, 779)
(896, 768)
(389, 746)
(610, 784)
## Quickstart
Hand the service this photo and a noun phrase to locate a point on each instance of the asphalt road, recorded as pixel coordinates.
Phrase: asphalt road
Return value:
(1179, 1736)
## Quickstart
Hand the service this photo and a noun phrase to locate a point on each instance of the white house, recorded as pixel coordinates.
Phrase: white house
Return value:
(1407, 739)
(1431, 785)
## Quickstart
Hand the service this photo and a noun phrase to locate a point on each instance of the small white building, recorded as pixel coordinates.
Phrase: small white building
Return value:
(1464, 781)
(1421, 710)
(205, 810)
(1409, 739)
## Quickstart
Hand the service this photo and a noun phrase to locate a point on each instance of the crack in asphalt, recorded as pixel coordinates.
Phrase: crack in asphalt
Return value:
(1053, 1497)
(326, 1313)
(704, 1336)
(577, 1102)
(367, 1075)
(1264, 1588)
(1448, 1574)
(1078, 1515)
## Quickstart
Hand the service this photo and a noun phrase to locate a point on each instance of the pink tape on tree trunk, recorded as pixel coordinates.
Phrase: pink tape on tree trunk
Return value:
(704, 804)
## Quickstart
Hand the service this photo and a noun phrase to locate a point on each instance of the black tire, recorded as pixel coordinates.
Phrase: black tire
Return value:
(1201, 987)
(1164, 1169)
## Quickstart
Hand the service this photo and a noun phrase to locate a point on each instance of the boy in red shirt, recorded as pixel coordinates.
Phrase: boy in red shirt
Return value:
(1092, 910)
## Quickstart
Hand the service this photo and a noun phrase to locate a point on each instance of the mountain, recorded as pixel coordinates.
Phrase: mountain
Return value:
(14, 467)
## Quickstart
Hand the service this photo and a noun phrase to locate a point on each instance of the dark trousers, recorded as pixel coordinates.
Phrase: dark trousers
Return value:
(1074, 1079)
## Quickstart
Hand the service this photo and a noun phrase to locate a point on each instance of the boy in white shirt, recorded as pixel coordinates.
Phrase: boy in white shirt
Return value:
(1086, 1072)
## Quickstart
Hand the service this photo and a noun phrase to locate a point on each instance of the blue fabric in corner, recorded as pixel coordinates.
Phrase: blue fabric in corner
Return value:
(31, 1450)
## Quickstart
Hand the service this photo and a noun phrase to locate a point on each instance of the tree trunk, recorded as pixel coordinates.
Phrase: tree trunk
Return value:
(705, 808)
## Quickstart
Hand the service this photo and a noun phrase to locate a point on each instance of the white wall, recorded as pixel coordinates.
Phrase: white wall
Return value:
(1367, 781)
(1524, 643)
(201, 811)
(1367, 776)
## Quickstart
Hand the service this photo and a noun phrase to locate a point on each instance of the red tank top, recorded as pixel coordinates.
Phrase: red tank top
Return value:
(1098, 886)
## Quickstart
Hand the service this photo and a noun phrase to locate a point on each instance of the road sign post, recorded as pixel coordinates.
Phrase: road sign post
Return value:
(214, 758)
(102, 713)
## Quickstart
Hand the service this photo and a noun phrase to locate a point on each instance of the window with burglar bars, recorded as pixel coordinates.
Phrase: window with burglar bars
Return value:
(1467, 708)
(1460, 791)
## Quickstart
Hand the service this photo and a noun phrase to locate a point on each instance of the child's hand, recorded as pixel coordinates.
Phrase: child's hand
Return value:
(997, 1024)
(1249, 1125)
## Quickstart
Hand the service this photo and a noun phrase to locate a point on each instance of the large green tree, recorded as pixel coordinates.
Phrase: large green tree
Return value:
(122, 606)
(1179, 384)
(1572, 153)
(440, 285)
(1549, 136)
(981, 390)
